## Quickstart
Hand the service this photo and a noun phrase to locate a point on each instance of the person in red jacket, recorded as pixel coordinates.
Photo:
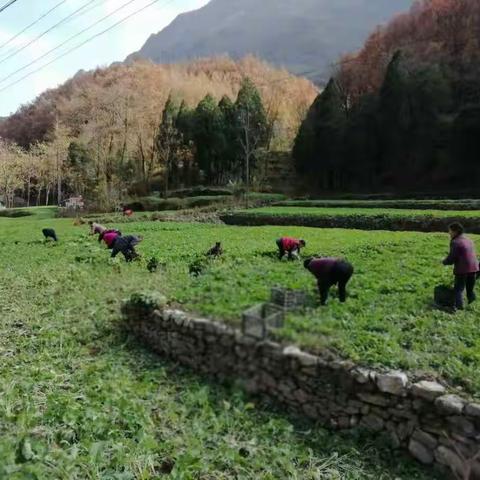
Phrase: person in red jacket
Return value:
(290, 246)
(464, 259)
(328, 272)
(127, 212)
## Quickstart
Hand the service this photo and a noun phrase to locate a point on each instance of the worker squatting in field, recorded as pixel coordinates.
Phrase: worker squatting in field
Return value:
(328, 271)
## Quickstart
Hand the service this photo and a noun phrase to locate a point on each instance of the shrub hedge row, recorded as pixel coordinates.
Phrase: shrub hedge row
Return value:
(467, 204)
(14, 213)
(156, 204)
(361, 222)
(201, 192)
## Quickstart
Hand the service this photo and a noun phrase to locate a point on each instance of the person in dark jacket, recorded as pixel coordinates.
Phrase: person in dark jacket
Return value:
(290, 246)
(126, 246)
(329, 272)
(216, 250)
(50, 233)
(464, 259)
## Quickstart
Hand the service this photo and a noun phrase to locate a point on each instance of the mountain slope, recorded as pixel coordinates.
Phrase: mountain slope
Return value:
(302, 35)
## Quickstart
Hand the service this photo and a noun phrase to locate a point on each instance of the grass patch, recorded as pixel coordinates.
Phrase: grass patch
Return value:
(364, 212)
(80, 401)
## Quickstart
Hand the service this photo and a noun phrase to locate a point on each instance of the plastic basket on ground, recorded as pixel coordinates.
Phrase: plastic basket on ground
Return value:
(258, 320)
(444, 297)
(288, 298)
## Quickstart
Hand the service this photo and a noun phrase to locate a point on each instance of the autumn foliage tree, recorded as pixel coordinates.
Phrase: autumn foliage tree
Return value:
(400, 115)
(142, 127)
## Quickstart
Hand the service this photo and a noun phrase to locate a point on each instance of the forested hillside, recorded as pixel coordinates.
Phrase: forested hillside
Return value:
(305, 36)
(105, 132)
(404, 112)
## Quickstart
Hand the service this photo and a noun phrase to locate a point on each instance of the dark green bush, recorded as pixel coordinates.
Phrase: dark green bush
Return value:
(143, 304)
(15, 213)
(201, 192)
(467, 204)
(157, 204)
(361, 222)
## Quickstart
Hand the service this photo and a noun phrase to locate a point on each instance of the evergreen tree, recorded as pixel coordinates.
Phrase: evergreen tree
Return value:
(208, 137)
(466, 147)
(362, 149)
(169, 142)
(396, 119)
(252, 125)
(231, 161)
(318, 149)
(185, 122)
(82, 169)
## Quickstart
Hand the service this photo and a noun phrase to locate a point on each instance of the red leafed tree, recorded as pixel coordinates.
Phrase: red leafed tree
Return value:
(445, 32)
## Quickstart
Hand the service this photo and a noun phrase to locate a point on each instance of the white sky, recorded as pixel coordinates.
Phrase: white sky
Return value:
(113, 46)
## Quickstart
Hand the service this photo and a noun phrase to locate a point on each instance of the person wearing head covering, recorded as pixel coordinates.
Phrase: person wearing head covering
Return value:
(330, 271)
(290, 246)
(96, 228)
(464, 259)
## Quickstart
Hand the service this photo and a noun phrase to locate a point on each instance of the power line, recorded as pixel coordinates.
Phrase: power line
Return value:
(67, 41)
(75, 16)
(85, 42)
(47, 31)
(32, 24)
(8, 4)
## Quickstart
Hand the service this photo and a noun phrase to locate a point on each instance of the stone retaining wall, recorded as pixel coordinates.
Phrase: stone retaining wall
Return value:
(437, 428)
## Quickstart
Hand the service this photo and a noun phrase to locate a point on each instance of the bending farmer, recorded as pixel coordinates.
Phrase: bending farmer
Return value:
(96, 228)
(126, 246)
(109, 237)
(329, 272)
(290, 246)
(464, 258)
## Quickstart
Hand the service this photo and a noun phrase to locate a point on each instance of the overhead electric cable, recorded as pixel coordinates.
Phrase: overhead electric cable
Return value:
(8, 4)
(89, 2)
(88, 40)
(106, 17)
(10, 40)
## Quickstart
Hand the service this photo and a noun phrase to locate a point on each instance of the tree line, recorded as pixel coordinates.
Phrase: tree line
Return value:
(214, 143)
(404, 113)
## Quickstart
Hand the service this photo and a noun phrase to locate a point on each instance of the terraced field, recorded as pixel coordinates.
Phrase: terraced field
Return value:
(80, 400)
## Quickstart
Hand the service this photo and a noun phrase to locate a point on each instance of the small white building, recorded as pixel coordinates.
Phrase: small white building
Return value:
(75, 203)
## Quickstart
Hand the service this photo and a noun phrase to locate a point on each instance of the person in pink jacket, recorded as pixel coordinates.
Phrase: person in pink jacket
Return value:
(464, 259)
(109, 237)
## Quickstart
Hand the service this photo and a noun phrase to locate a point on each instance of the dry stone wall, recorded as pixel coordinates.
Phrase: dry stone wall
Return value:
(437, 428)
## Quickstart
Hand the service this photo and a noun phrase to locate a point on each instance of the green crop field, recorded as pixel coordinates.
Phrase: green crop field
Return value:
(354, 211)
(80, 400)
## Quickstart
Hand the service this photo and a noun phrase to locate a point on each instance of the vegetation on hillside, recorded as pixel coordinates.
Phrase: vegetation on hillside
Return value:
(402, 114)
(144, 127)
